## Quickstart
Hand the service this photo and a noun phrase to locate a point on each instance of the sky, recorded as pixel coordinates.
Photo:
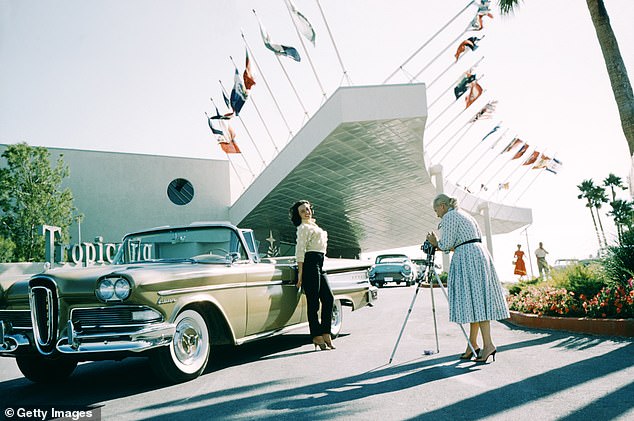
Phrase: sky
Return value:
(137, 76)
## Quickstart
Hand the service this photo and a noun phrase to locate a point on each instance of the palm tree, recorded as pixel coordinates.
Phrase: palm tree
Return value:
(622, 212)
(621, 86)
(613, 181)
(598, 198)
(587, 187)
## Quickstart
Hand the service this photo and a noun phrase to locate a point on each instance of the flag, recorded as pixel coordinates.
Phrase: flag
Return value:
(554, 165)
(521, 151)
(238, 94)
(485, 112)
(225, 135)
(504, 186)
(512, 144)
(463, 84)
(280, 50)
(483, 10)
(304, 27)
(474, 93)
(542, 163)
(531, 159)
(224, 97)
(247, 76)
(471, 43)
(495, 129)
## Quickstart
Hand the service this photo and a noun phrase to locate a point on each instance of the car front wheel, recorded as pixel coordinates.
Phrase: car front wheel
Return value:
(337, 319)
(39, 369)
(188, 353)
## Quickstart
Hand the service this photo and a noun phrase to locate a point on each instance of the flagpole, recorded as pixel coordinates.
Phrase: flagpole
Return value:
(452, 103)
(259, 114)
(429, 85)
(428, 41)
(482, 155)
(343, 68)
(513, 171)
(301, 40)
(229, 159)
(248, 133)
(529, 185)
(450, 137)
(266, 84)
(243, 157)
(429, 63)
(452, 147)
(479, 143)
(286, 74)
(486, 167)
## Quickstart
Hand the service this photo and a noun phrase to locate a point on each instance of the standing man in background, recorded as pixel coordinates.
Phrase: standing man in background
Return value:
(542, 264)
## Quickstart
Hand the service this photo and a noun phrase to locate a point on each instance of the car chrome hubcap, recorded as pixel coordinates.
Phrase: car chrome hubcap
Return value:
(187, 341)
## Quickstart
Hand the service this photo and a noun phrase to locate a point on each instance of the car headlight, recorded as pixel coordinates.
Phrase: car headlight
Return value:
(113, 289)
(407, 268)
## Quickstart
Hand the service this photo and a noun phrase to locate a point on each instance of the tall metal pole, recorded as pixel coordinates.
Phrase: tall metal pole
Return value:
(343, 68)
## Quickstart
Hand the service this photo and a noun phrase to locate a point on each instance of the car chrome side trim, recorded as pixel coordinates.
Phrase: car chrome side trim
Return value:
(201, 289)
(270, 333)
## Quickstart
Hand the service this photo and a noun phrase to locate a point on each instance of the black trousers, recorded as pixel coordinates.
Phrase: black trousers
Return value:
(317, 289)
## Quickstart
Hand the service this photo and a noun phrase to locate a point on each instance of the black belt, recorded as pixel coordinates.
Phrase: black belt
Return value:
(475, 240)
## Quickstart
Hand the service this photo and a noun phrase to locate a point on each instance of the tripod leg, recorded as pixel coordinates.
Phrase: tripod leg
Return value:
(433, 309)
(409, 311)
(464, 332)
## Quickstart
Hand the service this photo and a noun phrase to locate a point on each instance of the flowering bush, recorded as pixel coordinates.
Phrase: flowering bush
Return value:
(544, 300)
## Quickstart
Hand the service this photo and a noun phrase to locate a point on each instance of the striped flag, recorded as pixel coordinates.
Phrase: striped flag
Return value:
(238, 93)
(474, 93)
(280, 50)
(247, 76)
(532, 158)
(470, 43)
(512, 145)
(521, 151)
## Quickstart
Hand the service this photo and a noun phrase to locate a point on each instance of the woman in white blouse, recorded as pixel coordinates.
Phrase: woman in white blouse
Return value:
(310, 250)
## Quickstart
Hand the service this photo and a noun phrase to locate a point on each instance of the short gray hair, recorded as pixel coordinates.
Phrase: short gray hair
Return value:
(450, 202)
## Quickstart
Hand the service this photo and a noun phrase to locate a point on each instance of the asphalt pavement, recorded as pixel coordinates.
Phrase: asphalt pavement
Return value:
(537, 375)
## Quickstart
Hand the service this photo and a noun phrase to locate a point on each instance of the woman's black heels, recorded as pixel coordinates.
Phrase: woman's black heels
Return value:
(321, 344)
(483, 358)
(328, 341)
(468, 355)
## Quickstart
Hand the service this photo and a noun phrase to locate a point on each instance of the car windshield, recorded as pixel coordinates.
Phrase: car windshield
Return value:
(391, 259)
(200, 244)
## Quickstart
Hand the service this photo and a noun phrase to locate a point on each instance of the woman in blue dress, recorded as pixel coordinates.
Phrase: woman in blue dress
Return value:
(475, 293)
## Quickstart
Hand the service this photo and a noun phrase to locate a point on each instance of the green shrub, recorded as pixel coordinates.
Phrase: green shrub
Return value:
(581, 279)
(6, 249)
(618, 264)
(515, 289)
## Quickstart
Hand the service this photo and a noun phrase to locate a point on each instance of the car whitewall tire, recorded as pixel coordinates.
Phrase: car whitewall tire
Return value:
(337, 319)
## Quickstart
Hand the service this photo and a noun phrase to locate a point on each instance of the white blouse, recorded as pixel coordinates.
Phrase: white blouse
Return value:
(310, 237)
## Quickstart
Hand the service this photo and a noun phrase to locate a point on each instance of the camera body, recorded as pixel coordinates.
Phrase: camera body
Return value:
(428, 248)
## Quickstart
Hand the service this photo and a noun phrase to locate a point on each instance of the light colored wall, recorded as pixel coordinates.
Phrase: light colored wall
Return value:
(120, 192)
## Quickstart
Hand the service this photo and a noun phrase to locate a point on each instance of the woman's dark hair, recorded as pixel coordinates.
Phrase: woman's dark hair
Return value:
(293, 212)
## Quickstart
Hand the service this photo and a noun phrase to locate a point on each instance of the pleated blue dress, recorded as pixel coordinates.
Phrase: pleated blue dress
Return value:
(475, 293)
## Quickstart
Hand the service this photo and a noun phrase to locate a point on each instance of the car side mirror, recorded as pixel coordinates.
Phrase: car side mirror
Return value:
(232, 257)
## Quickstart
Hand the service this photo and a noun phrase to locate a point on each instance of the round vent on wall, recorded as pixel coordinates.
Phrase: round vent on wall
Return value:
(180, 191)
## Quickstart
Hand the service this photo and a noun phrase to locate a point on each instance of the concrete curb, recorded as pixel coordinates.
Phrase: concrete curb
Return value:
(604, 327)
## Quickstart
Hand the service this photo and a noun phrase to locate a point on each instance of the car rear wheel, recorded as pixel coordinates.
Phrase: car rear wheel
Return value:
(188, 353)
(337, 319)
(39, 369)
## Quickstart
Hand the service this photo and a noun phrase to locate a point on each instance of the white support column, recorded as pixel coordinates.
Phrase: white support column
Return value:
(436, 172)
(483, 209)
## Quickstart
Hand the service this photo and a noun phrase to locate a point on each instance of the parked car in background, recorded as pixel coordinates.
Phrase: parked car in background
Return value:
(171, 294)
(394, 268)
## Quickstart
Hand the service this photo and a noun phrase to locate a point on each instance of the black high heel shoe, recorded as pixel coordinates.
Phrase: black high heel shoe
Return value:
(328, 341)
(484, 358)
(322, 345)
(468, 355)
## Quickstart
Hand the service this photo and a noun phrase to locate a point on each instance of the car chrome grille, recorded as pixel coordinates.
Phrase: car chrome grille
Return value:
(44, 313)
(100, 317)
(18, 319)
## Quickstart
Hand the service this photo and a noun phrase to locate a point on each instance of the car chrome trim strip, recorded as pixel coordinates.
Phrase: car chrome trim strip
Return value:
(201, 289)
(43, 334)
(112, 313)
(11, 342)
(270, 333)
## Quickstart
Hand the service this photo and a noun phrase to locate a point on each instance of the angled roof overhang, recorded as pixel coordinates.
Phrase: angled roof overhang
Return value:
(360, 161)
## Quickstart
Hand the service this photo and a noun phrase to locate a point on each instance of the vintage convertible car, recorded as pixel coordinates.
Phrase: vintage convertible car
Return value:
(171, 294)
(395, 268)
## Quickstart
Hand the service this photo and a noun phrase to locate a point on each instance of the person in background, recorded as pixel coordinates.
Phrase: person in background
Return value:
(542, 264)
(312, 242)
(475, 293)
(520, 266)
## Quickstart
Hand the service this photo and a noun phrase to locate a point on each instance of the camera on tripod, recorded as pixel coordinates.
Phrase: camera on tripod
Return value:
(428, 248)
